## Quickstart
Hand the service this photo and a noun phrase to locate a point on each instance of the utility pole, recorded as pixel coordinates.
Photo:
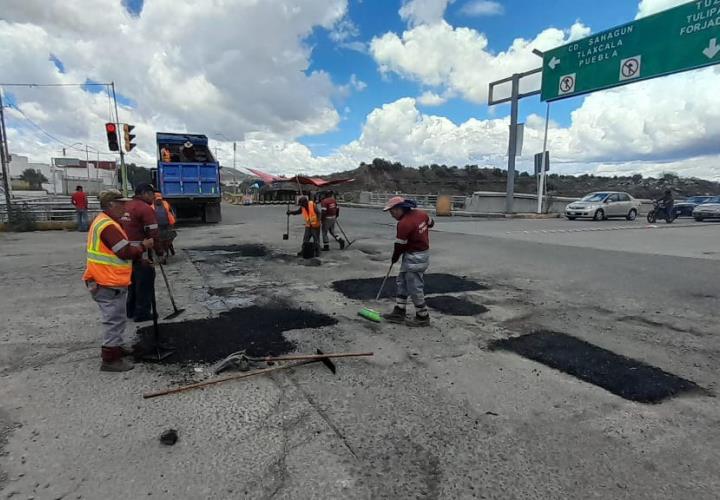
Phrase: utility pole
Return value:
(123, 168)
(4, 160)
(87, 164)
(234, 155)
(514, 101)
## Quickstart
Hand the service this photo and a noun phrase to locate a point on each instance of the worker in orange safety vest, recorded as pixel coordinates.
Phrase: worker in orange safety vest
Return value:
(166, 224)
(108, 275)
(311, 215)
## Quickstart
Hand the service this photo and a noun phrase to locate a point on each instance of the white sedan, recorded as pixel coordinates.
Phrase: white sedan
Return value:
(603, 205)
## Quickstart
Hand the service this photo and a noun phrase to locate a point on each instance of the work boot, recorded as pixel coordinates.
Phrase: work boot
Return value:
(326, 248)
(396, 316)
(127, 350)
(342, 244)
(300, 253)
(112, 360)
(418, 321)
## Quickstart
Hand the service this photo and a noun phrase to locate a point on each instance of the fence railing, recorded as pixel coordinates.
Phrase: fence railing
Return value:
(428, 201)
(45, 210)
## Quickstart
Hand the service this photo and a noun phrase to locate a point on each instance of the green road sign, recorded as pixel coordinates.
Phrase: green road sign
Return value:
(679, 39)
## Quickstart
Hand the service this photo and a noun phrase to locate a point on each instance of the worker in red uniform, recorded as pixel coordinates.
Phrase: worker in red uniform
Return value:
(108, 274)
(139, 222)
(412, 243)
(329, 211)
(80, 201)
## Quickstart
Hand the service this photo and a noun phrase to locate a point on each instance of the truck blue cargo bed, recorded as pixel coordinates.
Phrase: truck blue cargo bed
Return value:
(194, 180)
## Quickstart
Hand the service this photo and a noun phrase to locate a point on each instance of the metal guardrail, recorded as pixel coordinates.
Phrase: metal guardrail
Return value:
(44, 210)
(423, 200)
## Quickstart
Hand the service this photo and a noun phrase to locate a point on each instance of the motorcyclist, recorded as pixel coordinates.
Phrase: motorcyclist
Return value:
(667, 203)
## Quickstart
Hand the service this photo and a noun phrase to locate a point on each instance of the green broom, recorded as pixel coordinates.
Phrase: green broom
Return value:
(372, 314)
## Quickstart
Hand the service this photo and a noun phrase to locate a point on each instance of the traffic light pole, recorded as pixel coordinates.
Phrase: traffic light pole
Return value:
(4, 161)
(123, 168)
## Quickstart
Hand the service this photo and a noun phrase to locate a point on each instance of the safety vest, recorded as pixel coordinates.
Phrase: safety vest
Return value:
(103, 266)
(163, 213)
(310, 216)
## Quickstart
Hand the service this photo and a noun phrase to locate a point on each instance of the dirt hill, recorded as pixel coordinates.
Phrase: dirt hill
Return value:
(384, 176)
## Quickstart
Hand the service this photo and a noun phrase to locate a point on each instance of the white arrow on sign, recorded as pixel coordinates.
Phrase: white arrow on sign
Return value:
(712, 50)
(554, 62)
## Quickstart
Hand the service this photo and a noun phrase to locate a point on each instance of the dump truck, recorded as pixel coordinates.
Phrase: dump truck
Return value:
(188, 176)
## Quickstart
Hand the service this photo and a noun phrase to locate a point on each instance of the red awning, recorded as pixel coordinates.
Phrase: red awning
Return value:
(301, 179)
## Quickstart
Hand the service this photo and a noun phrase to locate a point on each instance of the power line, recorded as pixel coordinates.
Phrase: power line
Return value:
(69, 146)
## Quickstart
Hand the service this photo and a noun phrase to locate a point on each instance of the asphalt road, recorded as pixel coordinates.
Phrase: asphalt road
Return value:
(434, 414)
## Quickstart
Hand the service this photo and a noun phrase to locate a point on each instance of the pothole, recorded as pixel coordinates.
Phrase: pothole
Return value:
(257, 329)
(367, 288)
(625, 377)
(454, 306)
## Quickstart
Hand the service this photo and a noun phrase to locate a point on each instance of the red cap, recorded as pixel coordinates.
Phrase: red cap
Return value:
(393, 202)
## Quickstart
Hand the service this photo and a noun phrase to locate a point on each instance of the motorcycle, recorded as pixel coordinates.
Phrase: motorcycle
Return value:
(659, 212)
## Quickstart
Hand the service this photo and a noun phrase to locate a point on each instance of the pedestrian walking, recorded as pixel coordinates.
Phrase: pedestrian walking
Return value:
(80, 202)
(412, 244)
(311, 215)
(330, 211)
(139, 222)
(108, 275)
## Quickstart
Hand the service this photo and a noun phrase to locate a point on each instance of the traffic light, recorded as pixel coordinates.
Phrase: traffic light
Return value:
(112, 137)
(128, 137)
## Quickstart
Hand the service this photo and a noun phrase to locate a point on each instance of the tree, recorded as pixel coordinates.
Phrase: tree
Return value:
(137, 175)
(34, 178)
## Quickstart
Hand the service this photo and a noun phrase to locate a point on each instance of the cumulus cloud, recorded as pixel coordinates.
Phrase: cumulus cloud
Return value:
(429, 98)
(416, 12)
(210, 67)
(649, 7)
(478, 8)
(459, 58)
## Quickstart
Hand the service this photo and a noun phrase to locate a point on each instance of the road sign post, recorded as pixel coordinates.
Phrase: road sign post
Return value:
(514, 100)
(678, 39)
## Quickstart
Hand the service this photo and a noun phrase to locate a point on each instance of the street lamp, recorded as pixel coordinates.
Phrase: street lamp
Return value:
(220, 134)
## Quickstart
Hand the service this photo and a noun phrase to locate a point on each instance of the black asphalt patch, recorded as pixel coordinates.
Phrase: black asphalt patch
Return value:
(454, 306)
(628, 378)
(367, 288)
(257, 330)
(245, 250)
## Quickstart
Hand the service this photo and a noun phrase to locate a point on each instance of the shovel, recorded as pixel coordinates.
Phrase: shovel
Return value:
(176, 312)
(161, 352)
(286, 236)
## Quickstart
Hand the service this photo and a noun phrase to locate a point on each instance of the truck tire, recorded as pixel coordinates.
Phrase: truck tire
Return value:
(211, 213)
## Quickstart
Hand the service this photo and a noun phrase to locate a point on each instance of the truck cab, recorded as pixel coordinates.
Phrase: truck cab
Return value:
(188, 175)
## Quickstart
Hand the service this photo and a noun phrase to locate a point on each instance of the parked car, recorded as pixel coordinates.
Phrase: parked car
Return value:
(708, 210)
(685, 208)
(603, 205)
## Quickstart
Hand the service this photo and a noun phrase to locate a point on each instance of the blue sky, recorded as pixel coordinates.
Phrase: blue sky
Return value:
(373, 18)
